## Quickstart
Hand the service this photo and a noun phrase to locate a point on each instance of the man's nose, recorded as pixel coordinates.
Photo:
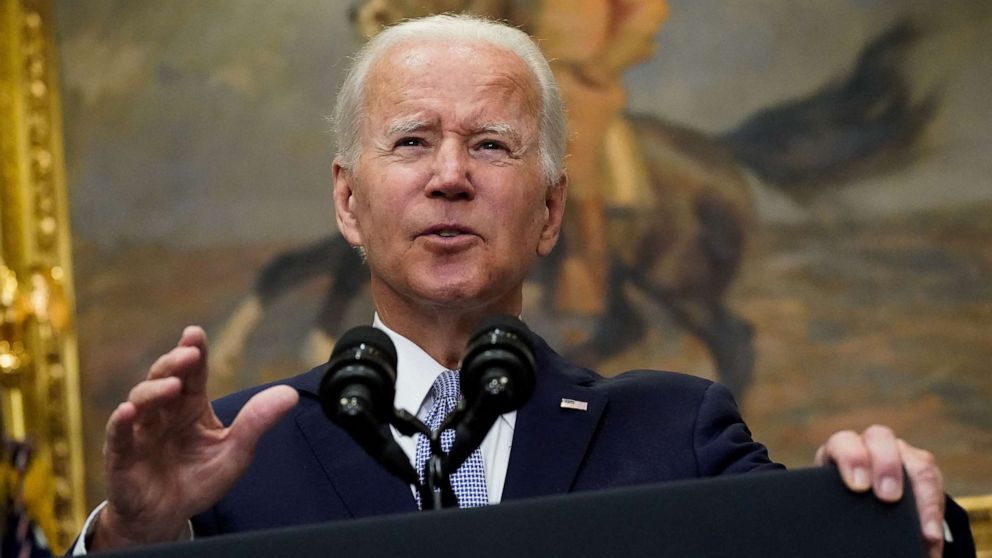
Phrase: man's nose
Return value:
(452, 177)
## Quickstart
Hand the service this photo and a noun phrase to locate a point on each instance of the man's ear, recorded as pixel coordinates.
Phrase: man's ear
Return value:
(344, 199)
(554, 201)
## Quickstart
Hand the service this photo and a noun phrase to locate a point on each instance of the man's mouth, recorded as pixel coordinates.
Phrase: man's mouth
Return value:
(447, 231)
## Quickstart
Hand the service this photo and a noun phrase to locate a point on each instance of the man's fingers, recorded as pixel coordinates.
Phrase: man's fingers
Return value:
(928, 489)
(260, 413)
(120, 438)
(188, 360)
(886, 462)
(177, 362)
(847, 450)
(193, 336)
(869, 460)
(151, 393)
(876, 459)
(196, 380)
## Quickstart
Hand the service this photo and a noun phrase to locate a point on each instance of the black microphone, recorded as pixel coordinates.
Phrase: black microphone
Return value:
(497, 376)
(357, 393)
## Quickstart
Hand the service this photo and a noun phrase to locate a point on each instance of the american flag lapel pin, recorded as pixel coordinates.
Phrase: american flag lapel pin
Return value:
(574, 404)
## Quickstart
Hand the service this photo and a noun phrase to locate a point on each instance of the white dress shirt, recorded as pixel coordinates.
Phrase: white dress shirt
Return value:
(415, 374)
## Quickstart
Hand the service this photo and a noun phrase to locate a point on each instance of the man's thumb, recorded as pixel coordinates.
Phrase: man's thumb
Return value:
(260, 413)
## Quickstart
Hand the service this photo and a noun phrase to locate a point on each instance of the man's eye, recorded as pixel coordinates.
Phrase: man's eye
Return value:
(411, 142)
(491, 144)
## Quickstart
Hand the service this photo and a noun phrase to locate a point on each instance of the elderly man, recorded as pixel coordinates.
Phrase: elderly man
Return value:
(450, 179)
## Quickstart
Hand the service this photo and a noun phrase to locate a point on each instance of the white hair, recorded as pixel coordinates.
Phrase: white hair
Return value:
(349, 110)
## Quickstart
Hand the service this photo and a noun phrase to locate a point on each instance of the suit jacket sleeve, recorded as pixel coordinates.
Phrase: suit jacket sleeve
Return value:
(723, 443)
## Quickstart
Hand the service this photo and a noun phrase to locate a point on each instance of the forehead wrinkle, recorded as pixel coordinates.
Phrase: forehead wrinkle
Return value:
(510, 84)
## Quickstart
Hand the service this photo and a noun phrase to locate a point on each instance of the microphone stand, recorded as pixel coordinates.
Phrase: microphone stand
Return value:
(470, 425)
(435, 491)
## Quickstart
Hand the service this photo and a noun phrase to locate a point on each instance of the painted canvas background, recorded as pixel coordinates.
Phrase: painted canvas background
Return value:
(197, 151)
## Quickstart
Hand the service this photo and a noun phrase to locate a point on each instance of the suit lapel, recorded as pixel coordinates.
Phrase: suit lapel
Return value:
(365, 487)
(550, 442)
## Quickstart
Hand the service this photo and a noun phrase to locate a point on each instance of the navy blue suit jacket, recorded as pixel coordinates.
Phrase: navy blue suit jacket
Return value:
(640, 427)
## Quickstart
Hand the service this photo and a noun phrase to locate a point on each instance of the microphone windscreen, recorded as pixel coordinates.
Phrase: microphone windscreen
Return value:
(357, 393)
(507, 323)
(367, 335)
(503, 344)
(362, 370)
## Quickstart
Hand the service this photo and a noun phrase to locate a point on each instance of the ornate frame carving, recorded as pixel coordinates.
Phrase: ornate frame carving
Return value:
(39, 372)
(980, 513)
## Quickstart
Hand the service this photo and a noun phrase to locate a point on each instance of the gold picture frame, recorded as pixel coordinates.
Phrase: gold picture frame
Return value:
(979, 510)
(39, 372)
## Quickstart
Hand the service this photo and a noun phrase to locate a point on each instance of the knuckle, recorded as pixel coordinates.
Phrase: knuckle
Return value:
(917, 459)
(930, 505)
(136, 392)
(157, 366)
(928, 487)
(841, 437)
(879, 430)
(927, 459)
(930, 476)
(889, 464)
(846, 449)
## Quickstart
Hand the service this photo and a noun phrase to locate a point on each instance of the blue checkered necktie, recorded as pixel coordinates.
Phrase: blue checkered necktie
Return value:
(469, 481)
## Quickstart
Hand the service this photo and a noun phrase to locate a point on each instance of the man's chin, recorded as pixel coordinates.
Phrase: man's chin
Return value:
(451, 296)
(451, 288)
(466, 296)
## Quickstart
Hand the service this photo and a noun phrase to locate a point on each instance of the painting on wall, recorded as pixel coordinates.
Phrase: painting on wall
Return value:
(788, 198)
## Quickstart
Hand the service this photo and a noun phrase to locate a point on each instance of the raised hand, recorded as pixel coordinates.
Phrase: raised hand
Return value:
(167, 456)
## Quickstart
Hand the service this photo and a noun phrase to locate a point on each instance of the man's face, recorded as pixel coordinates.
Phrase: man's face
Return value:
(447, 195)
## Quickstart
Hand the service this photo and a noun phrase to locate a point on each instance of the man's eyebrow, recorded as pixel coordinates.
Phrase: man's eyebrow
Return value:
(500, 129)
(401, 127)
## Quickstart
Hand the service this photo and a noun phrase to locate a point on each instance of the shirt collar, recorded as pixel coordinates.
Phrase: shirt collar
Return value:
(415, 370)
